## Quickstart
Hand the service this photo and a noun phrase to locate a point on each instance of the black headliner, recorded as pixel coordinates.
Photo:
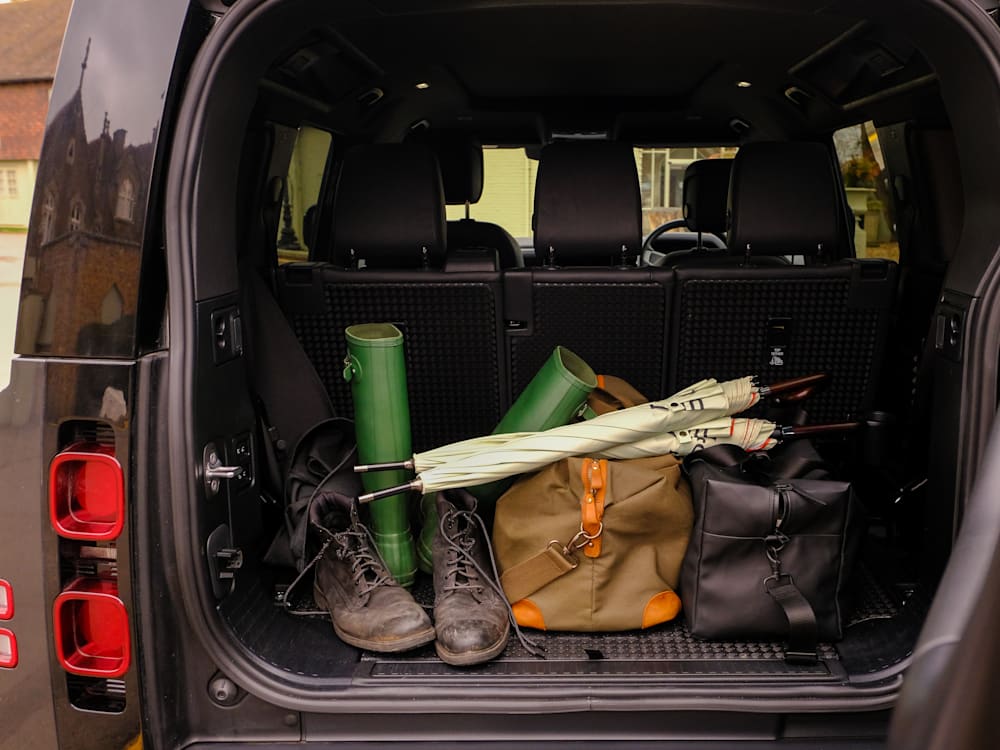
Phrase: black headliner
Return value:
(517, 72)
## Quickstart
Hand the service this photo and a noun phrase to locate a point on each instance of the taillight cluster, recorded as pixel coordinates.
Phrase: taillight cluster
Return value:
(87, 510)
(8, 641)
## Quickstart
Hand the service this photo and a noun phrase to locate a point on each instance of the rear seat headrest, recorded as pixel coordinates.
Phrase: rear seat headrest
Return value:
(587, 204)
(460, 156)
(706, 193)
(784, 200)
(389, 208)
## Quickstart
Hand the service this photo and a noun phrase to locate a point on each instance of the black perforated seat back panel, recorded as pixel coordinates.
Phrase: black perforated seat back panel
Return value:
(452, 340)
(618, 328)
(784, 327)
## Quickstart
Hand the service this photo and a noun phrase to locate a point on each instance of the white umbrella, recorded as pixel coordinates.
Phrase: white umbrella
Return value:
(748, 434)
(701, 402)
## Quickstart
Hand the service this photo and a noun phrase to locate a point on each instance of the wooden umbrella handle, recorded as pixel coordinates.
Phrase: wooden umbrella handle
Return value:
(800, 387)
(806, 430)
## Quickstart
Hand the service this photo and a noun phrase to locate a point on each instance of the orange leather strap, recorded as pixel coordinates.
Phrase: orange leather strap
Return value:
(595, 487)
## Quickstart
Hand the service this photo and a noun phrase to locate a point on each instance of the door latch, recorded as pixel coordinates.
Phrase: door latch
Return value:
(215, 472)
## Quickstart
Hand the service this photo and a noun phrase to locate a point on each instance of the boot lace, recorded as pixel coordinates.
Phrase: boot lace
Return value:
(356, 546)
(461, 572)
(460, 551)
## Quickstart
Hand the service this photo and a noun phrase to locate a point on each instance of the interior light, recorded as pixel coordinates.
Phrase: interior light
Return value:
(423, 85)
(743, 84)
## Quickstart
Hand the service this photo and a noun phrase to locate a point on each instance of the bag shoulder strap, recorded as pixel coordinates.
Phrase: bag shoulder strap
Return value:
(524, 579)
(802, 630)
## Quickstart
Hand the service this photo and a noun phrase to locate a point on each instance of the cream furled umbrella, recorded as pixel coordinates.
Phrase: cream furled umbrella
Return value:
(702, 402)
(748, 434)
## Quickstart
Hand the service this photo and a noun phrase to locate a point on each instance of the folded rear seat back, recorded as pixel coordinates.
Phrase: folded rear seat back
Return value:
(782, 321)
(389, 219)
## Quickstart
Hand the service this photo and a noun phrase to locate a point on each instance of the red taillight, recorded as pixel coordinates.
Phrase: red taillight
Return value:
(87, 493)
(8, 649)
(91, 629)
(6, 600)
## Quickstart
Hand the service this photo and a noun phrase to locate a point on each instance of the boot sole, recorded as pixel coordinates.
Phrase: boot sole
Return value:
(383, 647)
(387, 647)
(468, 658)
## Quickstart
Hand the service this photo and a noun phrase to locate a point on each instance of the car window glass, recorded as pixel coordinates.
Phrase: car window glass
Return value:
(509, 185)
(296, 226)
(661, 180)
(867, 184)
(508, 191)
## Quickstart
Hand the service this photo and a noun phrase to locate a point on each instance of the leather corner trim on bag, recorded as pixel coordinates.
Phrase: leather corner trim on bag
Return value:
(663, 607)
(527, 613)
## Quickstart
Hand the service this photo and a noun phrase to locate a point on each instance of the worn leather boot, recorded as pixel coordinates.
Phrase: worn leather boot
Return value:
(470, 616)
(369, 609)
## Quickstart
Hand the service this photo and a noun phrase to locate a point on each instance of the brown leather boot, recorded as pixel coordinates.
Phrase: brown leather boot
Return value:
(470, 616)
(369, 609)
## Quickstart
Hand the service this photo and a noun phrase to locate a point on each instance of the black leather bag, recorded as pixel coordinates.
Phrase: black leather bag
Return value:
(320, 475)
(772, 549)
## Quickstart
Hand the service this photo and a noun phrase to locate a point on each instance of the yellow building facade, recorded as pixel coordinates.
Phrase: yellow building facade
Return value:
(17, 184)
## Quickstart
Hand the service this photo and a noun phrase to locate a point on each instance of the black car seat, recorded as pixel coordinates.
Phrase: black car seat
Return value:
(389, 252)
(588, 211)
(460, 156)
(784, 321)
(590, 296)
(706, 200)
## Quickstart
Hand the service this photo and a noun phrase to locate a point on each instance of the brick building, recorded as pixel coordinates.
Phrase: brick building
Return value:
(83, 253)
(30, 36)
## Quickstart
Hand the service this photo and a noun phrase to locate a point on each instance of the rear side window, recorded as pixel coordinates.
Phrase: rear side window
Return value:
(867, 184)
(296, 227)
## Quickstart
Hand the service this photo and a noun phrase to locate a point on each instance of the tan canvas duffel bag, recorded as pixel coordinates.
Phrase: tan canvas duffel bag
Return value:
(594, 545)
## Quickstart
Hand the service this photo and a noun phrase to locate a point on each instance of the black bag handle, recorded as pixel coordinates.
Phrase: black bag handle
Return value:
(779, 465)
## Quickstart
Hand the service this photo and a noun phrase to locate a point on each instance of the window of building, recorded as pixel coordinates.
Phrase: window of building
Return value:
(48, 217)
(112, 306)
(866, 182)
(71, 151)
(8, 188)
(125, 205)
(76, 216)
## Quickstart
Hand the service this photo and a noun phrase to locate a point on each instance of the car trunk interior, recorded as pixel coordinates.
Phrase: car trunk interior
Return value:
(522, 74)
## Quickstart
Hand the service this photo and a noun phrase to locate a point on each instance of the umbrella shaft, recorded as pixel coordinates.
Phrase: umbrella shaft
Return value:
(365, 468)
(415, 486)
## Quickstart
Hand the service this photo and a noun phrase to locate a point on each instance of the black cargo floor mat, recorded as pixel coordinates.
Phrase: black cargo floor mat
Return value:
(881, 631)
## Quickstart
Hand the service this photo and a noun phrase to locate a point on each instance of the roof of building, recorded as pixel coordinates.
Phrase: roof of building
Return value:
(31, 34)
